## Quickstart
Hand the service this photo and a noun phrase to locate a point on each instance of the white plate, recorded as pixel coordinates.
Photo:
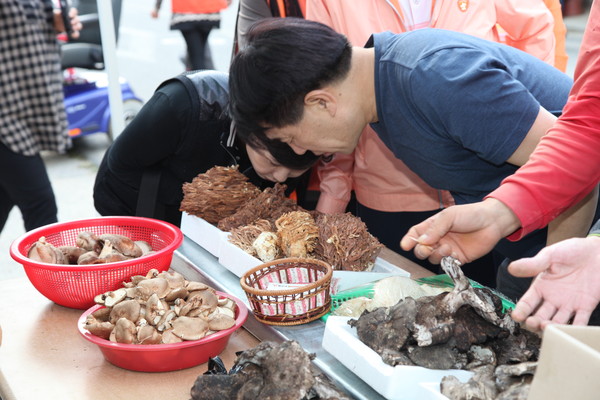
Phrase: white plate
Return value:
(395, 383)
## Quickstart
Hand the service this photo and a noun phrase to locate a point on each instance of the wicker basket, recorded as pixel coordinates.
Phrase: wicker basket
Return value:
(289, 291)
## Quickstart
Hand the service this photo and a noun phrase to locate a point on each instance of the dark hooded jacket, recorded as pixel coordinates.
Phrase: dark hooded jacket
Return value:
(182, 131)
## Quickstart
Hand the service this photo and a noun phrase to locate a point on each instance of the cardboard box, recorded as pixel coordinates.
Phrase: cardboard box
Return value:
(395, 383)
(203, 233)
(569, 364)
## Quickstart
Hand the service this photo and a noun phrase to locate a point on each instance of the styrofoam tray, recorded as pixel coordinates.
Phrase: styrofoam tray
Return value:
(235, 259)
(395, 383)
(238, 261)
(203, 233)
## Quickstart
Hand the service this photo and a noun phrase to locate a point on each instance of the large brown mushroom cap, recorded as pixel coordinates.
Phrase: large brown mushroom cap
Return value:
(124, 331)
(45, 252)
(188, 328)
(129, 309)
(219, 322)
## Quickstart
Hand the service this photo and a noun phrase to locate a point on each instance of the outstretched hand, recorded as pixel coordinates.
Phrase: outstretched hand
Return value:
(567, 285)
(466, 232)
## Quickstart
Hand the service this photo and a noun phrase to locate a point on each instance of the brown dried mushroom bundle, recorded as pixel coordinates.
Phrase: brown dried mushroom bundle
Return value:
(217, 193)
(298, 233)
(270, 204)
(268, 371)
(244, 236)
(345, 243)
(462, 329)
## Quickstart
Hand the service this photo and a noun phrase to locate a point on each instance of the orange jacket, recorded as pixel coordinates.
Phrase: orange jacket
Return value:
(379, 180)
(560, 33)
(197, 6)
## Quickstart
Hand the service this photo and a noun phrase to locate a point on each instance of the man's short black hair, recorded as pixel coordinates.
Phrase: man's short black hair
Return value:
(285, 58)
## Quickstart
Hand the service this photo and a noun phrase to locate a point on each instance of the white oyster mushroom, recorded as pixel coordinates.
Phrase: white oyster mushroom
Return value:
(266, 246)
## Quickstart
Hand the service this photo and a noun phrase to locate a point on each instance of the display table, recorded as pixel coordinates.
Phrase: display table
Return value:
(42, 354)
(196, 263)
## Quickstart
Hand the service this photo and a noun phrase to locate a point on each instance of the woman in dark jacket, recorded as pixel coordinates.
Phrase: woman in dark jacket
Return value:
(182, 131)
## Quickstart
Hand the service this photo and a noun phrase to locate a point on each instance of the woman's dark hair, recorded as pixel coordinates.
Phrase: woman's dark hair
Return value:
(284, 155)
(284, 60)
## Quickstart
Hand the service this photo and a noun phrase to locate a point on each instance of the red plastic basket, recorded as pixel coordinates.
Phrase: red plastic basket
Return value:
(165, 357)
(75, 286)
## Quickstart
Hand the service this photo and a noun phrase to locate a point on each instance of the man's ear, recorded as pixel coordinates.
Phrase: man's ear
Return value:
(322, 100)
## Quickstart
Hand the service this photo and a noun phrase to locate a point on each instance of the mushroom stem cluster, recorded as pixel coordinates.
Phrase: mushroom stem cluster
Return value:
(160, 308)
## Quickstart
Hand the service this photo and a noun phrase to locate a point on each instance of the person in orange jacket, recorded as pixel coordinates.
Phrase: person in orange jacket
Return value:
(195, 19)
(390, 197)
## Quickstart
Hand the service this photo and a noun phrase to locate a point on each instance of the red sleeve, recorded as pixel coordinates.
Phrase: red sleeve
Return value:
(565, 166)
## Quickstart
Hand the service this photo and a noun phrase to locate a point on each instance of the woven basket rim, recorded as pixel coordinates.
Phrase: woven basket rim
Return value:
(282, 320)
(291, 260)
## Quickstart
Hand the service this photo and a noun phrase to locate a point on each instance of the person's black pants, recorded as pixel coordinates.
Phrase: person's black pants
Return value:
(24, 182)
(198, 52)
(390, 227)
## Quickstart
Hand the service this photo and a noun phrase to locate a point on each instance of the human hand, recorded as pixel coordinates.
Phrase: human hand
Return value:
(154, 13)
(567, 285)
(466, 232)
(59, 24)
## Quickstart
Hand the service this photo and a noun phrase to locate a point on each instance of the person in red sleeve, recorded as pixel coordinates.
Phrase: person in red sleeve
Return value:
(563, 169)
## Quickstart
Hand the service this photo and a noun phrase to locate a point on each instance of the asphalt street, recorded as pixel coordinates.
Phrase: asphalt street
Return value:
(148, 53)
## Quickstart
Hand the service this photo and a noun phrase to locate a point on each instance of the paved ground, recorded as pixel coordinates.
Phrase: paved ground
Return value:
(148, 53)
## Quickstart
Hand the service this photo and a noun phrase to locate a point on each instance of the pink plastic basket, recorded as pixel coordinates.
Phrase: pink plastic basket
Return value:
(165, 357)
(75, 286)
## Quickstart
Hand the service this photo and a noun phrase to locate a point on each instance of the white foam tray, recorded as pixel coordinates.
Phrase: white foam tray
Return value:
(394, 383)
(238, 261)
(235, 259)
(203, 233)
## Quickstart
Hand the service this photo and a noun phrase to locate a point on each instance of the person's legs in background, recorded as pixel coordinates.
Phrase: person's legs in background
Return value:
(196, 41)
(572, 7)
(6, 204)
(24, 182)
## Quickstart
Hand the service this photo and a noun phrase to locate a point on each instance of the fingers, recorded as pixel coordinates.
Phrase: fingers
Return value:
(533, 324)
(562, 316)
(411, 239)
(426, 233)
(582, 317)
(422, 251)
(528, 267)
(548, 314)
(526, 306)
(76, 24)
(545, 312)
(434, 254)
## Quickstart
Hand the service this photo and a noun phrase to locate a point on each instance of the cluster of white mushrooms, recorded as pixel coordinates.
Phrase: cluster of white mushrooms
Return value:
(160, 308)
